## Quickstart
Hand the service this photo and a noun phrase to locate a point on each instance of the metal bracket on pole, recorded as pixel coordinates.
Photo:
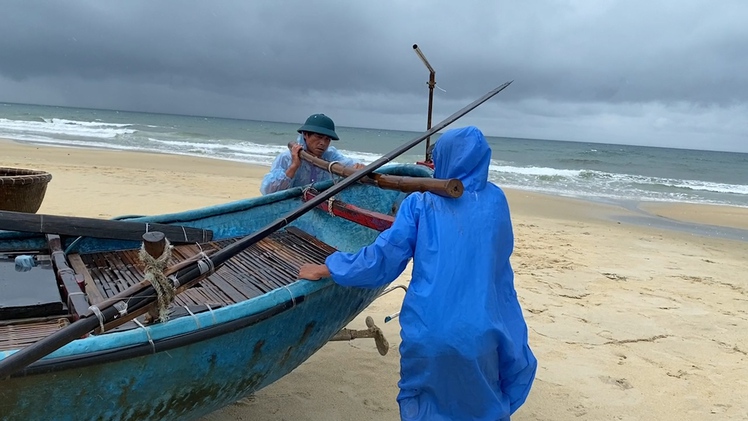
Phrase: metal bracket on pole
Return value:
(431, 84)
(388, 290)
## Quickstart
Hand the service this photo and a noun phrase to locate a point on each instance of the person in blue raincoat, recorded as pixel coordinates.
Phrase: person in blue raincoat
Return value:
(464, 351)
(288, 170)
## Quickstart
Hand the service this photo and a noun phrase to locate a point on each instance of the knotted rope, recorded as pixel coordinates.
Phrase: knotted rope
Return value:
(154, 273)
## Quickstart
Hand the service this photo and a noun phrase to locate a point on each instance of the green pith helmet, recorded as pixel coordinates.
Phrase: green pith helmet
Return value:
(319, 123)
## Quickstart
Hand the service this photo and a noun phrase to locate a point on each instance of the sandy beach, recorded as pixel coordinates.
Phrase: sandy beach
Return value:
(628, 321)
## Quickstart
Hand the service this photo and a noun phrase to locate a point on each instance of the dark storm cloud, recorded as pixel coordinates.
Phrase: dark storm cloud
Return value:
(659, 73)
(212, 47)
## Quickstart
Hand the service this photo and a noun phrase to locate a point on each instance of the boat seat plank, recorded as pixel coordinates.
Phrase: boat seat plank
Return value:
(92, 289)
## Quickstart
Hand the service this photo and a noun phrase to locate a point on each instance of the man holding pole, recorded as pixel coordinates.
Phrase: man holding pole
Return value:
(288, 170)
(464, 350)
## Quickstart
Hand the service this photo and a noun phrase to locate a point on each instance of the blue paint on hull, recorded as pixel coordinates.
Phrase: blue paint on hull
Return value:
(196, 378)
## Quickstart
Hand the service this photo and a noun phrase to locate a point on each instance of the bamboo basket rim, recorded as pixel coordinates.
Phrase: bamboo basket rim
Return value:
(21, 176)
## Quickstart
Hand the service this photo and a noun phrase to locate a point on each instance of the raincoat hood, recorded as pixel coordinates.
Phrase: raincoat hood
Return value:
(463, 154)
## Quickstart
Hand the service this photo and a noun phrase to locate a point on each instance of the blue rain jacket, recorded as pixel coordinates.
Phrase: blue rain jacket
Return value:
(464, 350)
(307, 173)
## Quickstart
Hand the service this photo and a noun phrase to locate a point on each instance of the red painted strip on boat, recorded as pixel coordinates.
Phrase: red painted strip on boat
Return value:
(365, 217)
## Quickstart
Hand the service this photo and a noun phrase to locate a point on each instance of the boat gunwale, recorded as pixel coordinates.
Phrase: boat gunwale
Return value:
(153, 346)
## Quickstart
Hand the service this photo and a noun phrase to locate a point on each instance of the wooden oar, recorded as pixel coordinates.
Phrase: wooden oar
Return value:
(80, 327)
(99, 228)
(448, 188)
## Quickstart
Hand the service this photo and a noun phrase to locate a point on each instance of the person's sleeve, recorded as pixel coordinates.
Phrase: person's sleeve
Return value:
(276, 179)
(384, 260)
(342, 159)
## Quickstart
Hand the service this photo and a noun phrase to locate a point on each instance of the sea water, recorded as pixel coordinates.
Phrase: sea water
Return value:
(598, 171)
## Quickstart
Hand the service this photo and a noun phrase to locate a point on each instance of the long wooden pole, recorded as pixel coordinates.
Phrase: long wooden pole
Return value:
(22, 358)
(99, 228)
(448, 188)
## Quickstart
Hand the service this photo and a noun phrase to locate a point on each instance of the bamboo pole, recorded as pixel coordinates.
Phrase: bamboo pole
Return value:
(447, 188)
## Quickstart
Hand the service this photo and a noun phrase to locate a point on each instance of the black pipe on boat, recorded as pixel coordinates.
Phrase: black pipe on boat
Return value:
(22, 358)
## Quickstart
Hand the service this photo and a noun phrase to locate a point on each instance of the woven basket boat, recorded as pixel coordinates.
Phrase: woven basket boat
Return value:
(22, 190)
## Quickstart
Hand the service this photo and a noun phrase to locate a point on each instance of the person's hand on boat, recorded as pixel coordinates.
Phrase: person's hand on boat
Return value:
(358, 166)
(313, 272)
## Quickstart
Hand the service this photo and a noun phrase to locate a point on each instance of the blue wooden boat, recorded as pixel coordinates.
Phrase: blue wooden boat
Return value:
(246, 326)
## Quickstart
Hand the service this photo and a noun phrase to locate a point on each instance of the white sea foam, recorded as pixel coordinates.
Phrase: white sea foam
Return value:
(712, 187)
(599, 184)
(366, 158)
(57, 127)
(533, 171)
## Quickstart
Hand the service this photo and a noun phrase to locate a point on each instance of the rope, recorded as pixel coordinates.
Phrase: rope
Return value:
(211, 313)
(147, 333)
(121, 307)
(329, 169)
(99, 316)
(330, 202)
(205, 265)
(154, 273)
(293, 299)
(197, 322)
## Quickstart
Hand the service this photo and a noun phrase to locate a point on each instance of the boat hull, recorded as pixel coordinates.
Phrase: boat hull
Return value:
(193, 380)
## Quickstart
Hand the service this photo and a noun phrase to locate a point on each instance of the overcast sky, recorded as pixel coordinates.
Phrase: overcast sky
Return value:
(662, 73)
